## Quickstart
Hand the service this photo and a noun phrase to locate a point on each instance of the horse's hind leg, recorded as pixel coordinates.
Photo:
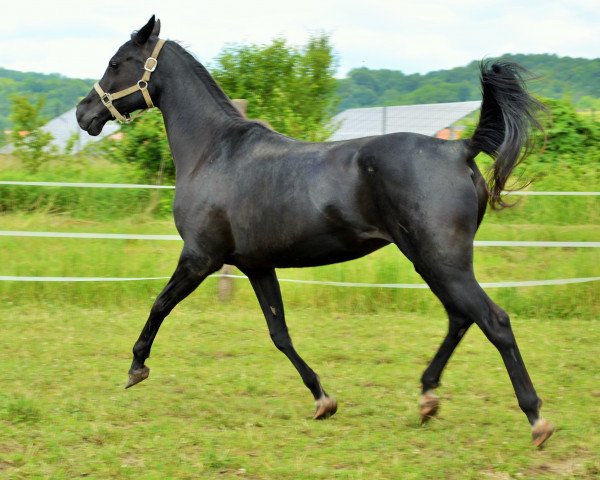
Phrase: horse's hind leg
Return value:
(437, 236)
(453, 282)
(191, 270)
(266, 287)
(430, 380)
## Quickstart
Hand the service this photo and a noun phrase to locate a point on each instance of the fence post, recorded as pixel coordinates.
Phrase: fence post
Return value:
(225, 285)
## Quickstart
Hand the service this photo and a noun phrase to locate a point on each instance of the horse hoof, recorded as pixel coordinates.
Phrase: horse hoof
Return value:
(541, 431)
(136, 376)
(326, 407)
(428, 406)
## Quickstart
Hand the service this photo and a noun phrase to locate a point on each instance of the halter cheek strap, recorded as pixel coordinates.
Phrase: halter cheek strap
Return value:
(141, 86)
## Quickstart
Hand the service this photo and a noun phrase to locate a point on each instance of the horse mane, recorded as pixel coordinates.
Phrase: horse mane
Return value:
(213, 87)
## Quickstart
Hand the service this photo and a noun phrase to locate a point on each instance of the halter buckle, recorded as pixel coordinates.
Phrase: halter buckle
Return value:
(106, 99)
(150, 64)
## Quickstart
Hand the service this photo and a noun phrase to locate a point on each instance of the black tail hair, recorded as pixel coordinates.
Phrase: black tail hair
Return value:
(508, 113)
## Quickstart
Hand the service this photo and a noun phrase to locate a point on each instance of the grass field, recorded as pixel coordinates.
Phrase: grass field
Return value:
(222, 402)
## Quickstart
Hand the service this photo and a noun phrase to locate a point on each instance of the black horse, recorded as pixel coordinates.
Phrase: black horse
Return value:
(250, 197)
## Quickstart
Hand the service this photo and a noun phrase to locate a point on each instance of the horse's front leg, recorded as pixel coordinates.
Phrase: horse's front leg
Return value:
(191, 270)
(266, 287)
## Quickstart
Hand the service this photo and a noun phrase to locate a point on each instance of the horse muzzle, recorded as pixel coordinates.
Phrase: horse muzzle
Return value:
(91, 115)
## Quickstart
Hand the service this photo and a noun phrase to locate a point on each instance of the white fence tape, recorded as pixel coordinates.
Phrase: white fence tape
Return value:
(87, 185)
(13, 278)
(136, 236)
(104, 236)
(172, 187)
(535, 244)
(553, 194)
(120, 236)
(526, 283)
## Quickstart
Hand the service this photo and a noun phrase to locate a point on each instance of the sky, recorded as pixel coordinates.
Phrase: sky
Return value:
(77, 38)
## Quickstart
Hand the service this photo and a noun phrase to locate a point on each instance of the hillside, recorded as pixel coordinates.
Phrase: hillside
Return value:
(574, 78)
(61, 93)
(557, 77)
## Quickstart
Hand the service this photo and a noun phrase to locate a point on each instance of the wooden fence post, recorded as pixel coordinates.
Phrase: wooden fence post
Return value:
(225, 285)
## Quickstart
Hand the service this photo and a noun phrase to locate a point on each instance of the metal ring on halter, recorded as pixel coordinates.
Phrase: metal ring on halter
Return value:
(145, 84)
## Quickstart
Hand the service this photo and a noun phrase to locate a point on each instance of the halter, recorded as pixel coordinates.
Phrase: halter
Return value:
(141, 86)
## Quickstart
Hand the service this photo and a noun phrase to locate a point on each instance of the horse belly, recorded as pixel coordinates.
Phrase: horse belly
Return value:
(310, 251)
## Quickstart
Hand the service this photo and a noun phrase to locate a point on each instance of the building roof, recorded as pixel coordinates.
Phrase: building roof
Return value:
(426, 119)
(65, 125)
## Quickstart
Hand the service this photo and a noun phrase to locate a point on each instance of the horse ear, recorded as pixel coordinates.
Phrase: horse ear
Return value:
(156, 29)
(143, 34)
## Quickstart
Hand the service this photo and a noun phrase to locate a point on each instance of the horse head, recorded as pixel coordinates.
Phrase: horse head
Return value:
(125, 85)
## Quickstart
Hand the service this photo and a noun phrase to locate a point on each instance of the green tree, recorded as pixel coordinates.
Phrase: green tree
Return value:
(293, 89)
(144, 144)
(32, 144)
(570, 136)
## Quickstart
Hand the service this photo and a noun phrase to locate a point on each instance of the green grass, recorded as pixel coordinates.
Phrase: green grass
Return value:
(222, 402)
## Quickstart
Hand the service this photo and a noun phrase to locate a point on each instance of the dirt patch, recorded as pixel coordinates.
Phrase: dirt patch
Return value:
(574, 467)
(496, 475)
(566, 467)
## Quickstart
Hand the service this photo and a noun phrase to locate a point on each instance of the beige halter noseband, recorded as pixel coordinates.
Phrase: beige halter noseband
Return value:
(141, 86)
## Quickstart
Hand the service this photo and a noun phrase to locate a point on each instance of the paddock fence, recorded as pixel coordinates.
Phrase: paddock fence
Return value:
(155, 237)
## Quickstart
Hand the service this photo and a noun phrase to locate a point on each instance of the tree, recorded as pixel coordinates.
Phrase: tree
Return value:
(293, 89)
(32, 144)
(145, 145)
(570, 136)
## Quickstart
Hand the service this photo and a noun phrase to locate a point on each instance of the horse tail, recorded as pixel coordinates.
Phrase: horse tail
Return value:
(508, 113)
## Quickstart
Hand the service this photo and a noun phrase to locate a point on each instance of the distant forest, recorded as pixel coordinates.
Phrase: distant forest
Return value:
(576, 79)
(558, 77)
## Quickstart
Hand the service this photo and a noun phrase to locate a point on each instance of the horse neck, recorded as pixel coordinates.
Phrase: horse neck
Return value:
(195, 109)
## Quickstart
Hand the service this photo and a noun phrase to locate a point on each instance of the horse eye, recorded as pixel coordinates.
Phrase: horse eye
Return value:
(112, 64)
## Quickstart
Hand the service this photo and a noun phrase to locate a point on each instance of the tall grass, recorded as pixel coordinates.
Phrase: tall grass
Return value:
(84, 203)
(134, 258)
